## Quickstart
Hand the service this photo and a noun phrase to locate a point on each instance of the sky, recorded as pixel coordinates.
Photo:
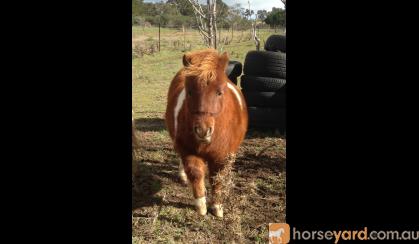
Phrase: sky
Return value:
(257, 4)
(254, 4)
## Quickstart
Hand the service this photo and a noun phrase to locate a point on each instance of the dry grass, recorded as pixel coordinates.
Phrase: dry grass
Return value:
(163, 209)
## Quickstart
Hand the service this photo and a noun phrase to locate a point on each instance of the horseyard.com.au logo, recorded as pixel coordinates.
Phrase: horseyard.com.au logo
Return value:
(279, 233)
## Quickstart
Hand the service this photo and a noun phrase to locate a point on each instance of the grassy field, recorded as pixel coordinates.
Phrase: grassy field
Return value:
(162, 208)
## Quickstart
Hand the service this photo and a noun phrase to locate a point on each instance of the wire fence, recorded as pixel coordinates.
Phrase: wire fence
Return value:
(149, 39)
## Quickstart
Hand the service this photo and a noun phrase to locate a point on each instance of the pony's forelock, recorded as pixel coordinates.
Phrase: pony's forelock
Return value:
(203, 65)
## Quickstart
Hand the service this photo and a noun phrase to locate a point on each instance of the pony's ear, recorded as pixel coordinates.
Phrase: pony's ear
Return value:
(186, 59)
(223, 61)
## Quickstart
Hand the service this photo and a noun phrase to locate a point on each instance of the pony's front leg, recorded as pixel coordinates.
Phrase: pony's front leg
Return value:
(216, 192)
(182, 175)
(195, 170)
(221, 181)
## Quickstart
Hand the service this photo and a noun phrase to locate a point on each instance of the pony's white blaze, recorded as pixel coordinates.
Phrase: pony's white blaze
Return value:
(179, 103)
(235, 93)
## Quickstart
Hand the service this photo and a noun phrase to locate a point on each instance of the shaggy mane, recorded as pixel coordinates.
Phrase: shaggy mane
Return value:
(202, 64)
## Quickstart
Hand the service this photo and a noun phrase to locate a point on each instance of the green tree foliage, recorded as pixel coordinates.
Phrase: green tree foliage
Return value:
(182, 6)
(236, 18)
(276, 17)
(248, 13)
(171, 13)
(261, 14)
(222, 14)
(137, 10)
(175, 13)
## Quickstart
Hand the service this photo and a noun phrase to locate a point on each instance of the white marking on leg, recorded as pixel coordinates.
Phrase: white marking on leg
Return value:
(235, 93)
(218, 210)
(179, 103)
(182, 174)
(201, 205)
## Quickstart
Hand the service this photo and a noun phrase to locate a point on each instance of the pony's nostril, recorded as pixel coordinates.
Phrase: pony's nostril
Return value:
(209, 131)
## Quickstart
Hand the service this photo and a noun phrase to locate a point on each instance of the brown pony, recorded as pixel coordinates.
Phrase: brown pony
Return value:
(207, 120)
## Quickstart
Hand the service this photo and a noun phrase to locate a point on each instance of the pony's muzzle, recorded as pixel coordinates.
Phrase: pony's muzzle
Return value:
(203, 133)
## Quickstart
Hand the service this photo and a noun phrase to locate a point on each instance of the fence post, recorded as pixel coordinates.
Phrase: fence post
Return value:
(159, 36)
(232, 32)
(219, 35)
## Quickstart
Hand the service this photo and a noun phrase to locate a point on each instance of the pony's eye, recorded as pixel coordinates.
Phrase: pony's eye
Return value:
(219, 93)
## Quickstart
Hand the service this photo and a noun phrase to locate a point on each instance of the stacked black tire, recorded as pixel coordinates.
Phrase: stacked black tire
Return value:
(234, 70)
(264, 85)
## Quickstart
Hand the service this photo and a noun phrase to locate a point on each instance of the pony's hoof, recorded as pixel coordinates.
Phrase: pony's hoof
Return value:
(201, 210)
(217, 210)
(201, 206)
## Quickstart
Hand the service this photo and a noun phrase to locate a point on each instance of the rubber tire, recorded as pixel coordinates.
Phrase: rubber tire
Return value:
(262, 84)
(265, 99)
(234, 80)
(276, 43)
(265, 64)
(234, 69)
(267, 118)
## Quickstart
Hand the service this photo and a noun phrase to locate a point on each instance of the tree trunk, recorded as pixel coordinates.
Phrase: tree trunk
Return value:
(206, 21)
(214, 15)
(184, 41)
(210, 27)
(257, 39)
(257, 43)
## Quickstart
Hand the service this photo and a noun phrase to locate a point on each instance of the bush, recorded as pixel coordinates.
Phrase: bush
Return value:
(154, 20)
(179, 20)
(137, 20)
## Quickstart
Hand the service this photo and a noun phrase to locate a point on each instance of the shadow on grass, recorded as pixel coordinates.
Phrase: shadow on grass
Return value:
(150, 124)
(146, 186)
(253, 133)
(250, 162)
